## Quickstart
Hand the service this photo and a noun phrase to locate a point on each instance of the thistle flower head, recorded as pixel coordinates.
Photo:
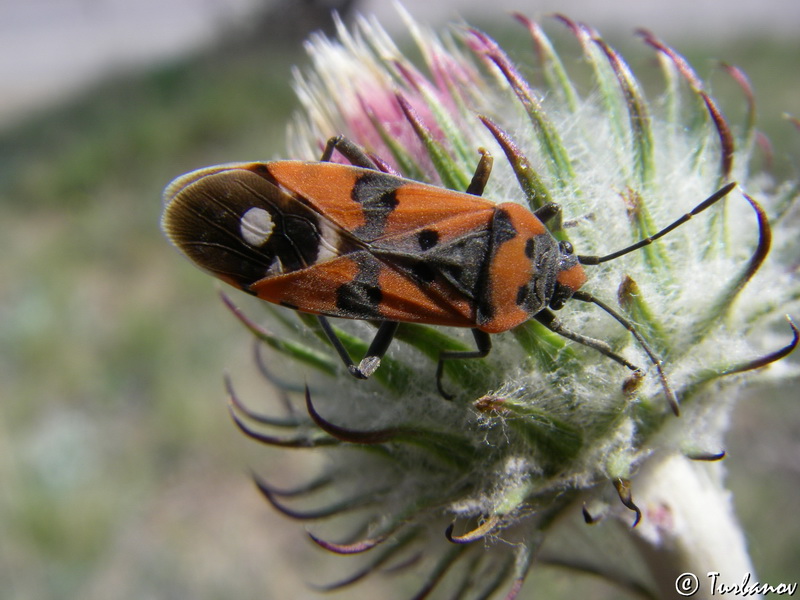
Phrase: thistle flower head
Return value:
(543, 422)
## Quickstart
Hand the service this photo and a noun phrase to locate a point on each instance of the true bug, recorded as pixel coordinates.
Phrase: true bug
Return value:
(356, 242)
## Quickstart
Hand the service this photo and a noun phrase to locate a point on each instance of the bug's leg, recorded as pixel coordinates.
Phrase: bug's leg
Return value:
(547, 212)
(482, 172)
(549, 320)
(350, 150)
(628, 324)
(484, 346)
(372, 359)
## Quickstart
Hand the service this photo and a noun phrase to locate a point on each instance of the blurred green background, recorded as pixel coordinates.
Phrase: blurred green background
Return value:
(121, 475)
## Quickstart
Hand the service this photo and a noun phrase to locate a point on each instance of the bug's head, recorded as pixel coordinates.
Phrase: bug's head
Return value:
(569, 278)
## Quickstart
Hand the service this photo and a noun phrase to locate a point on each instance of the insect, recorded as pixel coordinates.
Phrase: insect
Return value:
(355, 242)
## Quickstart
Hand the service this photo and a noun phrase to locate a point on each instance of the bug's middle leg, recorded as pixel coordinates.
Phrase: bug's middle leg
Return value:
(350, 150)
(377, 348)
(484, 346)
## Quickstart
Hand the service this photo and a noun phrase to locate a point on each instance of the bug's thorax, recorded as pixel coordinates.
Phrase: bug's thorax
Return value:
(528, 270)
(570, 277)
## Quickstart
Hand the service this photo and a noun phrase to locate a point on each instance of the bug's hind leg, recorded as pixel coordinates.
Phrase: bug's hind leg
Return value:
(484, 346)
(350, 150)
(377, 348)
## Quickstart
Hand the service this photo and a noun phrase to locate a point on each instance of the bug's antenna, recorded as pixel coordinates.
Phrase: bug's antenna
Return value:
(627, 324)
(716, 196)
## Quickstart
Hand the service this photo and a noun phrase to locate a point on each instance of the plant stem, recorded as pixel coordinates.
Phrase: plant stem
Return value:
(689, 527)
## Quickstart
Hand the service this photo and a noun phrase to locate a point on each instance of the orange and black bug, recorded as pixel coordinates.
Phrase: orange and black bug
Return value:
(356, 242)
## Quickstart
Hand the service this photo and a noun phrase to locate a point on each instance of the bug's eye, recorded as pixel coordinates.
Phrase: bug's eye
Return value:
(566, 248)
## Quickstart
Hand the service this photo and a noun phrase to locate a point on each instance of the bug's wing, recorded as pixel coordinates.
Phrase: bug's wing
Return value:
(231, 221)
(375, 206)
(360, 285)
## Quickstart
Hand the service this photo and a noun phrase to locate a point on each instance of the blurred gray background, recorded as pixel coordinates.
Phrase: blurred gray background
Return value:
(121, 475)
(49, 48)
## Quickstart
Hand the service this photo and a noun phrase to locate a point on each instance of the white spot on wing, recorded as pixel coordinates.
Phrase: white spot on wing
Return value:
(256, 226)
(328, 242)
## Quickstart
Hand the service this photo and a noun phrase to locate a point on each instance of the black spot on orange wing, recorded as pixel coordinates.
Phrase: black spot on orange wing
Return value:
(327, 187)
(423, 207)
(312, 290)
(427, 239)
(360, 298)
(377, 194)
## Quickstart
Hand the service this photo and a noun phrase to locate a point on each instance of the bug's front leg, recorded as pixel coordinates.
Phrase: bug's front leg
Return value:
(547, 212)
(377, 348)
(549, 320)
